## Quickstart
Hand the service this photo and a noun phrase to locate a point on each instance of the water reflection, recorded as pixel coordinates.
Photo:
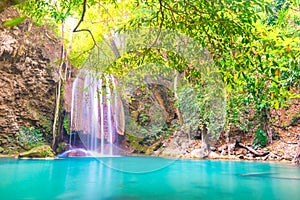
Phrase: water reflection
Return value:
(90, 178)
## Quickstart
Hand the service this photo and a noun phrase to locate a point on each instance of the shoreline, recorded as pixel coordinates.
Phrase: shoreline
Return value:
(225, 158)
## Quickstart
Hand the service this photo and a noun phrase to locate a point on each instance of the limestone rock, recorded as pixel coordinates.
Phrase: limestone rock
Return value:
(178, 145)
(28, 76)
(297, 156)
(196, 153)
(43, 151)
(241, 151)
(213, 155)
(200, 153)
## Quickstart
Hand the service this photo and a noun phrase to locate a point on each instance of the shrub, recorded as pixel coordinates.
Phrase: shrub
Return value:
(30, 137)
(66, 124)
(260, 139)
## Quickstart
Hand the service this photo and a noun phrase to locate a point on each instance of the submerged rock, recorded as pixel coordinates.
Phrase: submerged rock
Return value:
(76, 152)
(44, 151)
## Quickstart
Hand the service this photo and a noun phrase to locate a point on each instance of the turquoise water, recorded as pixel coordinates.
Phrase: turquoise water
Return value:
(146, 178)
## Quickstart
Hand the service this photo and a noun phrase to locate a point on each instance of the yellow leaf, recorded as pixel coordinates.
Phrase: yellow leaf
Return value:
(276, 105)
(288, 48)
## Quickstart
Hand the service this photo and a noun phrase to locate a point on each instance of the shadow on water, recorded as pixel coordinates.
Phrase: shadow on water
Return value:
(268, 175)
(122, 197)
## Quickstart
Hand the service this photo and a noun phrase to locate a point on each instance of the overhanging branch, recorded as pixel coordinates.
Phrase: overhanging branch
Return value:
(81, 20)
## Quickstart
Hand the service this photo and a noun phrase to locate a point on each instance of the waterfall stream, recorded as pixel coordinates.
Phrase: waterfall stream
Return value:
(94, 114)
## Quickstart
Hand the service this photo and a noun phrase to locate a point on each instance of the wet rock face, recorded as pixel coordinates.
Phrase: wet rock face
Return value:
(28, 75)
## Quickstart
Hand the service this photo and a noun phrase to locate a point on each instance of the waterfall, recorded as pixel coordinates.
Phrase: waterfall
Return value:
(109, 119)
(93, 113)
(101, 119)
(73, 111)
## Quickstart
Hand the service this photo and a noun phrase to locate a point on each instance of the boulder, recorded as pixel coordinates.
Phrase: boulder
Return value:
(196, 153)
(44, 151)
(199, 153)
(214, 155)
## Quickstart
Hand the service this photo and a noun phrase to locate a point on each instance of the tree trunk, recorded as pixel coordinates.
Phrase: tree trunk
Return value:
(176, 97)
(57, 104)
(265, 114)
(205, 147)
(227, 132)
(256, 153)
(58, 92)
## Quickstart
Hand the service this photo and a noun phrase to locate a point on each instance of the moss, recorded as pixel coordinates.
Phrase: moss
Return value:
(139, 146)
(61, 147)
(135, 143)
(43, 151)
(45, 124)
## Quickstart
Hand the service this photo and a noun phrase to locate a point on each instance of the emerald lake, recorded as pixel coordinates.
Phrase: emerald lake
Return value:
(146, 178)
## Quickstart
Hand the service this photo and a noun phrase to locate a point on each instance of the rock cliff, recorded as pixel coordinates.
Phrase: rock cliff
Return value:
(28, 78)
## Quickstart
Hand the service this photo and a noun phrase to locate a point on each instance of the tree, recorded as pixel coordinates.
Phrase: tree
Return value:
(257, 53)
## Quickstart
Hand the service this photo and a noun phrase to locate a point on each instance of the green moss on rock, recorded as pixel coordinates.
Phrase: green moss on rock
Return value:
(44, 151)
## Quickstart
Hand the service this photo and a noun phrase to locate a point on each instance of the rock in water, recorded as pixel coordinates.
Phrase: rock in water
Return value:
(43, 151)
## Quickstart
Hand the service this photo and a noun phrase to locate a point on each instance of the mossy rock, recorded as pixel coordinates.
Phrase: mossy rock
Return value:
(44, 151)
(61, 147)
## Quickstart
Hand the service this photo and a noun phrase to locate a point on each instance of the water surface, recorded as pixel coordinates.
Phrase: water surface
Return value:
(146, 178)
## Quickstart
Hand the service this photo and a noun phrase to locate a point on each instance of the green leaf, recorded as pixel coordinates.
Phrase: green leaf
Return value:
(14, 22)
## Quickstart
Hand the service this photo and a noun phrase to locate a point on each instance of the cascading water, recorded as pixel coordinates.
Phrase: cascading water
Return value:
(94, 115)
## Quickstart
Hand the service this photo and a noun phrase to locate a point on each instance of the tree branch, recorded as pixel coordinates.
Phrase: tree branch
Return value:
(256, 153)
(81, 20)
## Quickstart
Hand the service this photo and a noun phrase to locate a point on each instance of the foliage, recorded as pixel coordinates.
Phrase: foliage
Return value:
(66, 124)
(237, 113)
(30, 137)
(61, 147)
(189, 107)
(260, 139)
(258, 59)
(100, 19)
(14, 22)
(46, 125)
(49, 10)
(47, 152)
